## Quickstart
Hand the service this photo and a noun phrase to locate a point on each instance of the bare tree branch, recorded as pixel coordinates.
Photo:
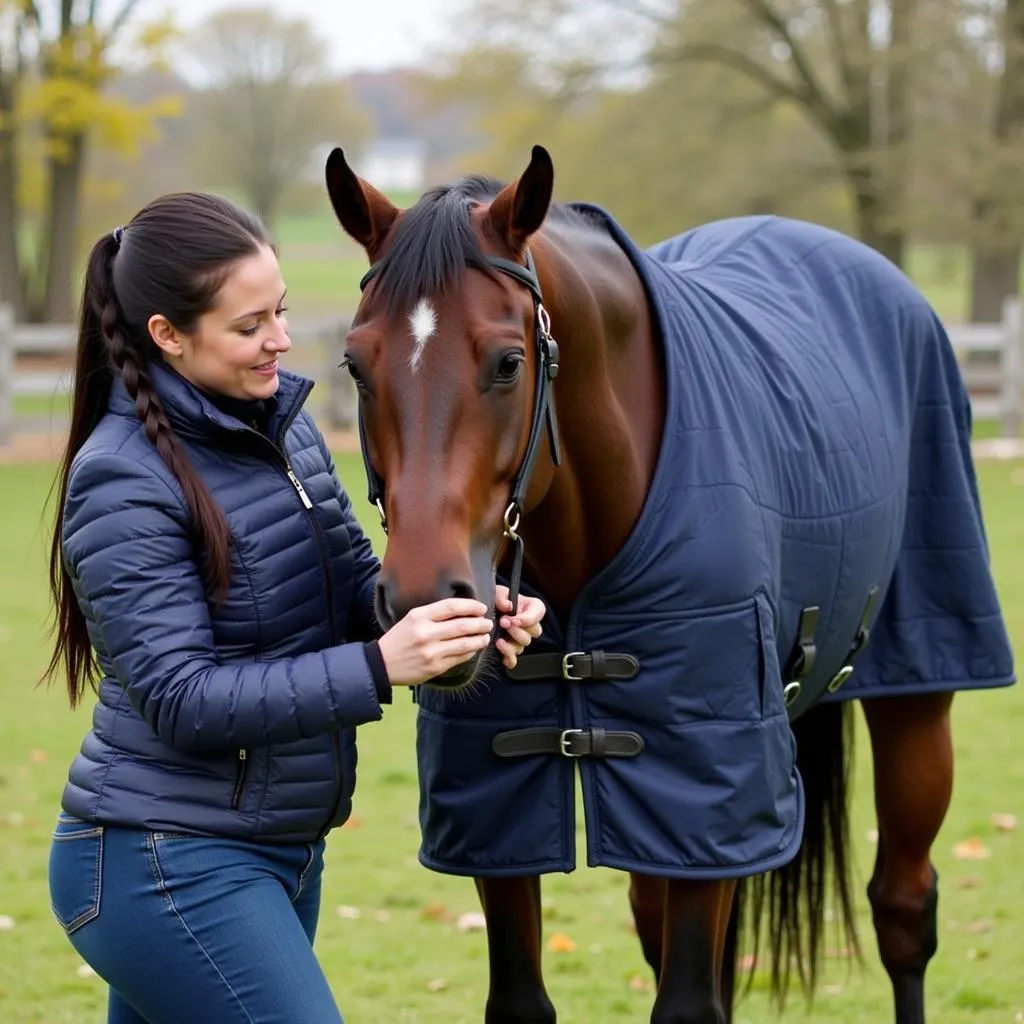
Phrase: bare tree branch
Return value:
(814, 96)
(121, 17)
(714, 53)
(840, 48)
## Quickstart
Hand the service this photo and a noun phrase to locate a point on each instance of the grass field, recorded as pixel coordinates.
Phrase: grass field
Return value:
(402, 960)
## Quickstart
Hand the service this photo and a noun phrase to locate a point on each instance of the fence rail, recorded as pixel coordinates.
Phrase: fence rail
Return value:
(35, 360)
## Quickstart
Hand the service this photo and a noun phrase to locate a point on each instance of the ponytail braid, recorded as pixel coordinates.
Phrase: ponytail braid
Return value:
(211, 535)
(107, 345)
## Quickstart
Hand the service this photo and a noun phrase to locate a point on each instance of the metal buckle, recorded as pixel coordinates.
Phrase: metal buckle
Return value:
(791, 692)
(563, 742)
(566, 671)
(839, 678)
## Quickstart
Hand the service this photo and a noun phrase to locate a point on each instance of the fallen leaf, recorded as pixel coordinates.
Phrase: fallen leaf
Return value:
(979, 927)
(382, 915)
(977, 954)
(1004, 822)
(437, 985)
(353, 822)
(6, 923)
(37, 756)
(638, 983)
(971, 849)
(967, 882)
(471, 921)
(349, 913)
(561, 943)
(435, 912)
(85, 971)
(872, 836)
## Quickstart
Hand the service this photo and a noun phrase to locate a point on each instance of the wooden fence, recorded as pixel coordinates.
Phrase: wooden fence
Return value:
(35, 360)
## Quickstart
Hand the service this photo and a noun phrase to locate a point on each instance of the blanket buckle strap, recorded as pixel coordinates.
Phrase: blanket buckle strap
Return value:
(572, 743)
(801, 661)
(859, 640)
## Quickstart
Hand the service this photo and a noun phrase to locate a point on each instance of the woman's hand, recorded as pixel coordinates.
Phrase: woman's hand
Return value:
(520, 629)
(434, 638)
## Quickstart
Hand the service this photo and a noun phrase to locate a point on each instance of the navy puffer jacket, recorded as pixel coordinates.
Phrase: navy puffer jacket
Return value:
(234, 719)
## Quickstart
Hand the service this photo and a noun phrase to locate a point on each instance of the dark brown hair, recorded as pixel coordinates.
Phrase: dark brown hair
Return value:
(172, 259)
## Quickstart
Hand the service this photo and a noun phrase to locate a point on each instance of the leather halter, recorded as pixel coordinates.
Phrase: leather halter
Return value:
(543, 414)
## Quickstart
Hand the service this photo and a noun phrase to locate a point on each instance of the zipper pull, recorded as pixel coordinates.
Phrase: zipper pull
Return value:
(242, 755)
(297, 483)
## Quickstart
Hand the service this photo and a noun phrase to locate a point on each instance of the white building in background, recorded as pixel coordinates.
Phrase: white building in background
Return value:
(392, 165)
(396, 164)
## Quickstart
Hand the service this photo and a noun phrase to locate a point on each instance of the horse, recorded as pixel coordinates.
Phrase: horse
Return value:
(737, 467)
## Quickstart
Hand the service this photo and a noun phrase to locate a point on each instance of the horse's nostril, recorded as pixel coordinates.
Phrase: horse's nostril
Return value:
(463, 588)
(384, 608)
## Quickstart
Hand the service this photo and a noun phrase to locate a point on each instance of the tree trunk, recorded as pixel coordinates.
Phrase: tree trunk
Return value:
(996, 270)
(893, 176)
(12, 285)
(62, 221)
(994, 276)
(872, 228)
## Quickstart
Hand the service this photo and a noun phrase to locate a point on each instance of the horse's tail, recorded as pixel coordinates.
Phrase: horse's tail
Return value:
(797, 895)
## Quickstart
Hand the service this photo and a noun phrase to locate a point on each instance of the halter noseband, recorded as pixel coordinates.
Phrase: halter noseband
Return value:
(543, 415)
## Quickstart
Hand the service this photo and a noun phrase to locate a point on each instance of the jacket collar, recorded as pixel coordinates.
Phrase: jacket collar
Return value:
(193, 415)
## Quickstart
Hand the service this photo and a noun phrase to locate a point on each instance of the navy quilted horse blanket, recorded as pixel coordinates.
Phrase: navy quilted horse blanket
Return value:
(816, 449)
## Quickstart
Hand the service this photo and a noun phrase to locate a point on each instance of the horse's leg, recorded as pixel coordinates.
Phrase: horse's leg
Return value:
(647, 901)
(913, 758)
(727, 984)
(512, 909)
(694, 935)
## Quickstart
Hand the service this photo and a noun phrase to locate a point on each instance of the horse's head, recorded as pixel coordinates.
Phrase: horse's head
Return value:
(453, 361)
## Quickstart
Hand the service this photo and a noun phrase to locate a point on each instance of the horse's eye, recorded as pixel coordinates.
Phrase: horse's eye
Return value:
(353, 372)
(509, 368)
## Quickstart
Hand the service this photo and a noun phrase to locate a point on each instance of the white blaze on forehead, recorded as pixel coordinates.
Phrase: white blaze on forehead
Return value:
(422, 323)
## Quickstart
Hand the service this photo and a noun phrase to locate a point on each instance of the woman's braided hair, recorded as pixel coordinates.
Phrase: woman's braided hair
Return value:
(172, 259)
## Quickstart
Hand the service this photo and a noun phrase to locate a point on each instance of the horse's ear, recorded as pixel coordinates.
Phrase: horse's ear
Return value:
(519, 209)
(362, 211)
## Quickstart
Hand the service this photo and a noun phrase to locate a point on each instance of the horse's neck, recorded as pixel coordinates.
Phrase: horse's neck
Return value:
(610, 406)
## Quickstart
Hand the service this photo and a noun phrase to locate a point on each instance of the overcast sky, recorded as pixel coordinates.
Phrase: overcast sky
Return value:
(361, 33)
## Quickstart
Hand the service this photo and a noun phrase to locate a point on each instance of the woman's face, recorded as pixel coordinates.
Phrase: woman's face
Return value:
(235, 347)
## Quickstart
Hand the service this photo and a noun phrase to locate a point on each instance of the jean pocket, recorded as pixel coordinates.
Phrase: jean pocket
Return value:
(76, 872)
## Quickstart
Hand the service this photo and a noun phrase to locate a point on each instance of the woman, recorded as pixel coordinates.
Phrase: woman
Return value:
(208, 570)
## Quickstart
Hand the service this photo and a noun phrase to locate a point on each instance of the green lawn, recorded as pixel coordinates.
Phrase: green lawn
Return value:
(402, 960)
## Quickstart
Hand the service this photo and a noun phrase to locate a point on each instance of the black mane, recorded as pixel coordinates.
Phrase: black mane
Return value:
(435, 241)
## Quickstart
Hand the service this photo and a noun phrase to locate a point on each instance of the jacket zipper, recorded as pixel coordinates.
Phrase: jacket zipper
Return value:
(325, 564)
(242, 771)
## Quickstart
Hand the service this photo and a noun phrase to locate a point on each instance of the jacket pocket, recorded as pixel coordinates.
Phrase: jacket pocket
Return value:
(241, 771)
(76, 872)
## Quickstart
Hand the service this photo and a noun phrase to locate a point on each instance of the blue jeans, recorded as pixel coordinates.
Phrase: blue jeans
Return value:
(185, 928)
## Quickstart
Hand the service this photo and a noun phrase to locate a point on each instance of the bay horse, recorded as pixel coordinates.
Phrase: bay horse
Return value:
(737, 468)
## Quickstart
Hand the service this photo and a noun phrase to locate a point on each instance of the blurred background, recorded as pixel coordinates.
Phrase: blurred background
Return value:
(898, 121)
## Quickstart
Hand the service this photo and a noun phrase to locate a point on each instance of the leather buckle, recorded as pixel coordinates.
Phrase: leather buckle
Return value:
(567, 672)
(563, 742)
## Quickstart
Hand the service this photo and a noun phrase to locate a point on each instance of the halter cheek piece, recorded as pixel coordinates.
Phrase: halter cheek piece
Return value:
(543, 415)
